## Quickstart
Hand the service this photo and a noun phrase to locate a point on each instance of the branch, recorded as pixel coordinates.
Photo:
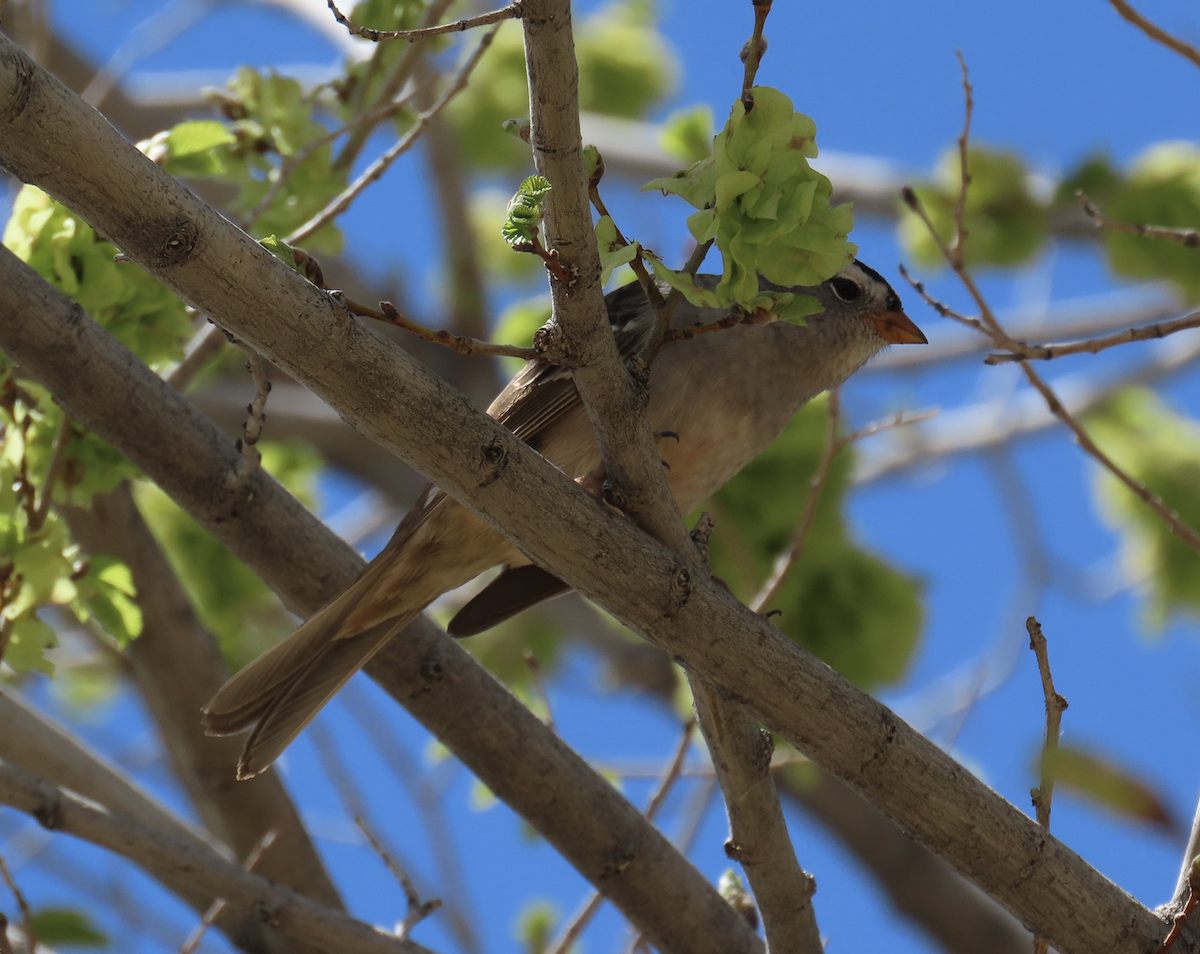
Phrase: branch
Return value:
(1043, 795)
(785, 562)
(375, 171)
(417, 909)
(168, 857)
(159, 223)
(458, 26)
(1159, 35)
(1096, 345)
(987, 324)
(758, 835)
(457, 700)
(30, 742)
(458, 343)
(177, 666)
(31, 938)
(210, 916)
(1187, 237)
(566, 940)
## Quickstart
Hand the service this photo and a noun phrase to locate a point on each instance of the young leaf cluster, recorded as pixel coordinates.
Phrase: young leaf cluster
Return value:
(766, 209)
(268, 120)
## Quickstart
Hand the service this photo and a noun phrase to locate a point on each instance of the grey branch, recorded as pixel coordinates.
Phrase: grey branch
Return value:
(170, 858)
(66, 148)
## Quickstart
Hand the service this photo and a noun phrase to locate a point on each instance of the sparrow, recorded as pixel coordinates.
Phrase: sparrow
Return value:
(716, 401)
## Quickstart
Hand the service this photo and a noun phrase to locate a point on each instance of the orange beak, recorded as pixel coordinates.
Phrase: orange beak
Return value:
(897, 328)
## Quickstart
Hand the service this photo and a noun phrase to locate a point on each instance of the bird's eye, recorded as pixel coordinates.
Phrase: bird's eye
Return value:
(845, 289)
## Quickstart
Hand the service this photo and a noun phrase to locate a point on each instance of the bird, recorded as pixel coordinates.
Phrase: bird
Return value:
(715, 402)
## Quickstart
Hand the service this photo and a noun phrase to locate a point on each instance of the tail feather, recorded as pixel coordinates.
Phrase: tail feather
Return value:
(279, 693)
(294, 706)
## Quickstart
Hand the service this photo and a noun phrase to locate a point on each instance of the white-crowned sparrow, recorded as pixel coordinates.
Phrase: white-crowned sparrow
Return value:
(717, 401)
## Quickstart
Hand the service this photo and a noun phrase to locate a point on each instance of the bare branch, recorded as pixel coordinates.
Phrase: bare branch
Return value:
(1156, 33)
(31, 938)
(205, 345)
(193, 941)
(539, 685)
(566, 940)
(170, 858)
(960, 207)
(459, 343)
(1095, 345)
(252, 427)
(495, 16)
(988, 324)
(1187, 237)
(1043, 795)
(787, 559)
(58, 459)
(552, 519)
(381, 165)
(418, 910)
(753, 52)
(1188, 906)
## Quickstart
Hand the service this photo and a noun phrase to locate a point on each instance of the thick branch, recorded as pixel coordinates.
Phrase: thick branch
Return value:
(171, 858)
(199, 254)
(457, 700)
(30, 742)
(177, 667)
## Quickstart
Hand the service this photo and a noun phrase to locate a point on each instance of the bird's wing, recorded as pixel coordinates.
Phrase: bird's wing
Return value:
(543, 393)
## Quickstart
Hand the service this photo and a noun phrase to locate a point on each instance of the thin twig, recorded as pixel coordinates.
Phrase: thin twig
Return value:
(215, 909)
(418, 910)
(31, 941)
(289, 164)
(662, 319)
(58, 459)
(1095, 345)
(459, 343)
(5, 944)
(1180, 919)
(1184, 236)
(253, 425)
(753, 52)
(513, 10)
(428, 797)
(785, 562)
(564, 942)
(649, 286)
(988, 323)
(205, 345)
(960, 208)
(384, 162)
(1156, 33)
(1055, 706)
(391, 85)
(539, 685)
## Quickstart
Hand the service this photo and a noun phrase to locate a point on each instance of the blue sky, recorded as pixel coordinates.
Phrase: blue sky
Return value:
(1053, 80)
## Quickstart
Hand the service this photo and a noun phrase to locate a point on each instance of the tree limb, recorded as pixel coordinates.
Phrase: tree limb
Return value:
(55, 140)
(171, 858)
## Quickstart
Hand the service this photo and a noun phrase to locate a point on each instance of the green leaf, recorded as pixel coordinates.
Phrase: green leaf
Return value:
(62, 927)
(525, 211)
(766, 209)
(107, 592)
(688, 134)
(536, 924)
(27, 643)
(280, 249)
(189, 138)
(1109, 786)
(1161, 449)
(1006, 224)
(696, 294)
(612, 252)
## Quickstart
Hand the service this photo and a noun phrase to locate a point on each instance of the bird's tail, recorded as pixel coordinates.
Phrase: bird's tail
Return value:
(280, 692)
